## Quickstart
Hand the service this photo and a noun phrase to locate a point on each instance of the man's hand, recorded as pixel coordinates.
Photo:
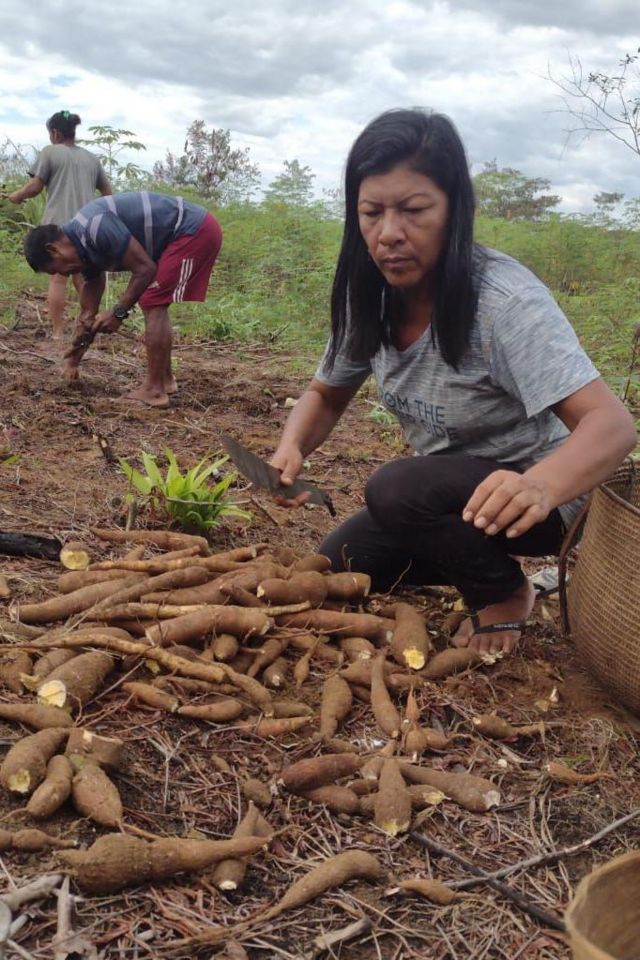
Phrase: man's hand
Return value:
(15, 197)
(289, 461)
(105, 322)
(509, 501)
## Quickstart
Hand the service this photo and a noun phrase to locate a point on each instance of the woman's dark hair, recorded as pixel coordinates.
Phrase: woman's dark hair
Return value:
(65, 123)
(35, 245)
(362, 302)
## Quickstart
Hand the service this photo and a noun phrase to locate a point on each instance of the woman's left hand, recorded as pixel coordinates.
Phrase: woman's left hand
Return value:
(506, 500)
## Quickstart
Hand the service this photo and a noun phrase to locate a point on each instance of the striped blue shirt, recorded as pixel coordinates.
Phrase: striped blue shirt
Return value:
(102, 229)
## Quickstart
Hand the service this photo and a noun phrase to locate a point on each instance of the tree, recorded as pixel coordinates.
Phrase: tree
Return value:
(604, 103)
(111, 141)
(293, 187)
(13, 162)
(510, 195)
(210, 165)
(605, 206)
(632, 213)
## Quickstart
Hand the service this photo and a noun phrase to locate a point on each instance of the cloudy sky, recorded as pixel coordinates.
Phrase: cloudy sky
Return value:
(299, 78)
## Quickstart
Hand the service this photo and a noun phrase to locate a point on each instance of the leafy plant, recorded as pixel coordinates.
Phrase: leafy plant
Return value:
(188, 499)
(380, 414)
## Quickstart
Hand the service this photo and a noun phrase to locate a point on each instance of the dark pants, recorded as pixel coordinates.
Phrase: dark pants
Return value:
(412, 531)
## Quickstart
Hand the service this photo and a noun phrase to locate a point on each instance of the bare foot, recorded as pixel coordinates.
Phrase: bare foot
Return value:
(516, 607)
(70, 372)
(153, 398)
(171, 385)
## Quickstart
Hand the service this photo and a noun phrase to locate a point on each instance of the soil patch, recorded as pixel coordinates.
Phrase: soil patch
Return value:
(57, 476)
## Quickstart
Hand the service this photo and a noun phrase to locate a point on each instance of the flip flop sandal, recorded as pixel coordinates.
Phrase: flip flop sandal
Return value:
(497, 627)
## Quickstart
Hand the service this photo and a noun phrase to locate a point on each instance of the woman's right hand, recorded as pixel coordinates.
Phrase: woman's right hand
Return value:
(288, 459)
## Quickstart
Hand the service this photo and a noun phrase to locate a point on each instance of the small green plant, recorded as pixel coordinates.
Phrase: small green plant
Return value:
(188, 499)
(380, 414)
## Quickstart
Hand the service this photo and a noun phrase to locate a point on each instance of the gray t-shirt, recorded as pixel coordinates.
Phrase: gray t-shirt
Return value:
(72, 175)
(523, 357)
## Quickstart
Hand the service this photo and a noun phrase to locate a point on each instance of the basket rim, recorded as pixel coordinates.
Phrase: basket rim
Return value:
(618, 499)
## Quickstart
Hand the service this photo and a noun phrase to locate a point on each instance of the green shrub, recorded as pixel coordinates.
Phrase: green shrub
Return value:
(186, 499)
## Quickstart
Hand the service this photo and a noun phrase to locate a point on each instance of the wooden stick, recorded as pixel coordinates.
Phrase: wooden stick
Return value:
(551, 857)
(548, 919)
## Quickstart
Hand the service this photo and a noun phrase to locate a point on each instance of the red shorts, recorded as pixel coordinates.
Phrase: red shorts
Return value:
(185, 266)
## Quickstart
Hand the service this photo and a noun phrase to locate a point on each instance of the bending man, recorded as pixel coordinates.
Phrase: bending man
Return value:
(168, 245)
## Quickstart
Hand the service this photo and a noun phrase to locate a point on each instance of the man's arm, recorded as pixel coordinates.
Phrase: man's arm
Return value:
(90, 297)
(31, 189)
(143, 271)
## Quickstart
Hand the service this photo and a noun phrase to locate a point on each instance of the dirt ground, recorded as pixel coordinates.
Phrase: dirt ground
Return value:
(183, 777)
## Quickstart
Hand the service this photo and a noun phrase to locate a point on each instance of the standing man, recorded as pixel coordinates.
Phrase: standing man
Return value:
(168, 245)
(71, 176)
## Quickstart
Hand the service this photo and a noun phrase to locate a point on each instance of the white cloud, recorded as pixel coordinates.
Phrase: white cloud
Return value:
(298, 79)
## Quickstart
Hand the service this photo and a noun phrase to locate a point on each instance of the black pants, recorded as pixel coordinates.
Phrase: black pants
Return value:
(412, 531)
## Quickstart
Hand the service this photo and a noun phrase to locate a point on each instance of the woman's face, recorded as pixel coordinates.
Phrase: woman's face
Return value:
(403, 217)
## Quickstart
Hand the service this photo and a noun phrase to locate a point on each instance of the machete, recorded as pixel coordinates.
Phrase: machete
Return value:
(267, 477)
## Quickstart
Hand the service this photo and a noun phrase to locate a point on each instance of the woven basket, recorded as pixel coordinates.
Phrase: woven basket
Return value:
(603, 919)
(601, 602)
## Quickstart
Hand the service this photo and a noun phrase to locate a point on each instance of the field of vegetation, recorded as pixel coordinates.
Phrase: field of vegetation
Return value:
(273, 278)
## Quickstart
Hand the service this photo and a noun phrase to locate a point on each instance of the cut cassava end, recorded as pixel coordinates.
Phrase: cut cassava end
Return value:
(348, 587)
(410, 645)
(357, 648)
(74, 683)
(75, 555)
(25, 765)
(229, 874)
(95, 748)
(275, 675)
(468, 791)
(116, 861)
(392, 807)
